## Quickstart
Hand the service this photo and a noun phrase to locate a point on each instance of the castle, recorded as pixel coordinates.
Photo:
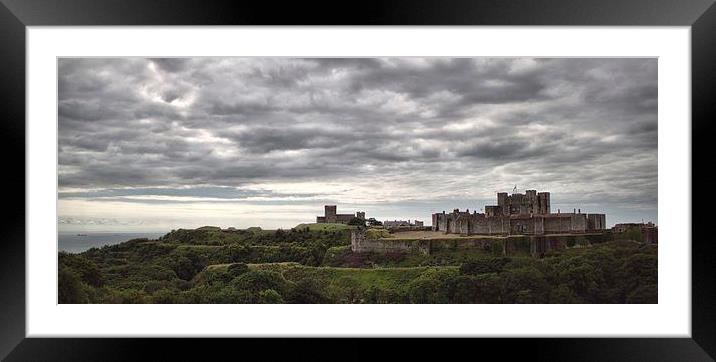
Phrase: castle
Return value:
(330, 216)
(518, 214)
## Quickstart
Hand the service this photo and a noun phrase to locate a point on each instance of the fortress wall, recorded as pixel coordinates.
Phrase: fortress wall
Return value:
(579, 223)
(506, 246)
(557, 224)
(520, 226)
(478, 224)
(489, 225)
(360, 244)
(464, 224)
(596, 222)
(538, 225)
(461, 244)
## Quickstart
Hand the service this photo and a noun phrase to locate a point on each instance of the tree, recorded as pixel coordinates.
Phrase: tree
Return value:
(70, 289)
(634, 234)
(645, 294)
(466, 289)
(316, 253)
(86, 269)
(258, 280)
(432, 286)
(525, 285)
(165, 296)
(344, 290)
(486, 265)
(584, 280)
(639, 271)
(373, 222)
(357, 222)
(563, 295)
(308, 291)
(184, 268)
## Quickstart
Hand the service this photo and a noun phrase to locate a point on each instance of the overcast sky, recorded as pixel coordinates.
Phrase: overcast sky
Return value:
(157, 144)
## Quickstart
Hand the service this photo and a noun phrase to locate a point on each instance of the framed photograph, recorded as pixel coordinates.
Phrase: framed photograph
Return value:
(419, 171)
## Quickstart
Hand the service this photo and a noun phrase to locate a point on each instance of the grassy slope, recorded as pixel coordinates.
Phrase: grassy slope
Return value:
(381, 277)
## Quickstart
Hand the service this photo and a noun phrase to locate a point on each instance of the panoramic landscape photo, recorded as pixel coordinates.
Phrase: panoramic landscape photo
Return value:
(357, 180)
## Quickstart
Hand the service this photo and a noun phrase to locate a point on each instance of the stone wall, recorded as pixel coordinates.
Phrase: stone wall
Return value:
(359, 243)
(596, 222)
(556, 224)
(651, 235)
(465, 223)
(536, 246)
(540, 245)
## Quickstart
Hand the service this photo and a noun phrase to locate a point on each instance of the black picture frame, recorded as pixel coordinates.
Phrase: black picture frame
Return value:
(16, 15)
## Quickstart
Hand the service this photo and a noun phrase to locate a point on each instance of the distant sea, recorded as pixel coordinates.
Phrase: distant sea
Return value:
(79, 242)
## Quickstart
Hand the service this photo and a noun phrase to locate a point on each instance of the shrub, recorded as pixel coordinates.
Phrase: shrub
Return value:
(85, 269)
(377, 234)
(165, 296)
(356, 222)
(486, 265)
(270, 296)
(154, 286)
(237, 269)
(496, 247)
(308, 291)
(524, 285)
(183, 268)
(70, 289)
(580, 242)
(645, 294)
(258, 280)
(432, 286)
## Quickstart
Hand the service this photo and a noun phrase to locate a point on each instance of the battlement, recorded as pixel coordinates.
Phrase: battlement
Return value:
(531, 202)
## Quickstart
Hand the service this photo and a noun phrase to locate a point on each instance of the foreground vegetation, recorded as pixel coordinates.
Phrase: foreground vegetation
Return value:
(314, 264)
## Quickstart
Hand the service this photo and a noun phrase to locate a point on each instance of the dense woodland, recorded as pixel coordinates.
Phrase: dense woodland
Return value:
(314, 264)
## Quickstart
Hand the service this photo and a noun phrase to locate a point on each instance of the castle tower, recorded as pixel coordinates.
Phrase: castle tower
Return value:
(502, 203)
(330, 210)
(531, 201)
(543, 203)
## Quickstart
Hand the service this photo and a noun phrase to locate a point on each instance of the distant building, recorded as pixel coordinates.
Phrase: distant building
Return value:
(517, 214)
(624, 227)
(330, 216)
(648, 230)
(402, 224)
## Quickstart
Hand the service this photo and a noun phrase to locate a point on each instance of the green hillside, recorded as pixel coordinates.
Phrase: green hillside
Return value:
(314, 264)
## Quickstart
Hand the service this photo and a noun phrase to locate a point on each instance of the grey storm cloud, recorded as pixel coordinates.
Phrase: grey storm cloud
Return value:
(206, 127)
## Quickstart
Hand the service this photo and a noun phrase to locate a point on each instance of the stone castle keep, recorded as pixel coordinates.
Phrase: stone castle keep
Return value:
(330, 216)
(518, 214)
